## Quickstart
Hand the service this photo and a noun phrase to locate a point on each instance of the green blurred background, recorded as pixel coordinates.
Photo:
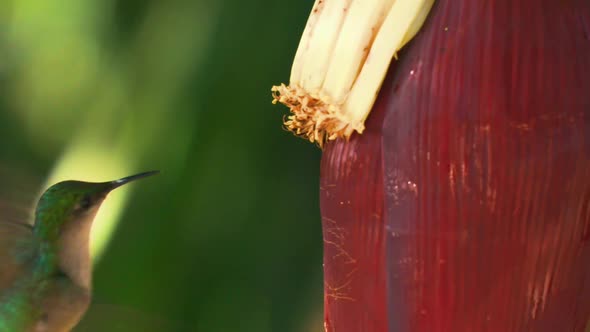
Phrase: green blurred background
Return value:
(228, 237)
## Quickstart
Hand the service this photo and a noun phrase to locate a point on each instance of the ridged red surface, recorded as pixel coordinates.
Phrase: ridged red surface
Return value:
(351, 195)
(465, 205)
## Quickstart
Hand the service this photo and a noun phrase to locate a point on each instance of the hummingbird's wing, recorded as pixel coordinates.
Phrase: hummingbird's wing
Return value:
(17, 250)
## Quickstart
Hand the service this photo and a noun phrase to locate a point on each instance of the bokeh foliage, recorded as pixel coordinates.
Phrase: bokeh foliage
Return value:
(228, 237)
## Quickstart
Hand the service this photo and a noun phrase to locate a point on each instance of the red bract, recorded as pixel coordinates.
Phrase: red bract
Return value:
(465, 205)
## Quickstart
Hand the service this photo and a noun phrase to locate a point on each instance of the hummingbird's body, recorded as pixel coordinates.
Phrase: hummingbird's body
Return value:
(45, 271)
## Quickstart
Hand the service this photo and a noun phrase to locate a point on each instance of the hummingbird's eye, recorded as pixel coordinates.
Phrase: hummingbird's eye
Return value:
(85, 202)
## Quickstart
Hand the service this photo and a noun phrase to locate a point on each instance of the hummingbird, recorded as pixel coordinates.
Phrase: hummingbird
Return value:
(45, 269)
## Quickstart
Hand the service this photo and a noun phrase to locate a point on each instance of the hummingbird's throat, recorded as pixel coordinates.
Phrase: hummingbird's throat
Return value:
(73, 250)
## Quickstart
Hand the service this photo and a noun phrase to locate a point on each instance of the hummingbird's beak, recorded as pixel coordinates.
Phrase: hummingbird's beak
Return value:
(125, 180)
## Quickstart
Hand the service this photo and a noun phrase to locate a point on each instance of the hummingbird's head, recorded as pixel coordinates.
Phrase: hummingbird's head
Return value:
(70, 203)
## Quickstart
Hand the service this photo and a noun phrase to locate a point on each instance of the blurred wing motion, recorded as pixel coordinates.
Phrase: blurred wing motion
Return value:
(17, 250)
(18, 193)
